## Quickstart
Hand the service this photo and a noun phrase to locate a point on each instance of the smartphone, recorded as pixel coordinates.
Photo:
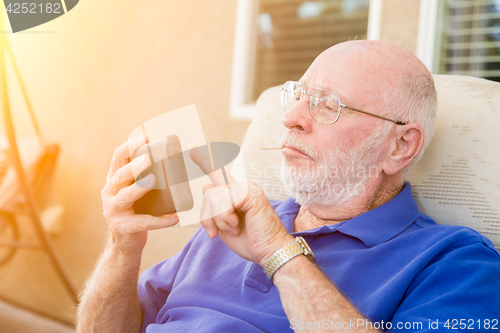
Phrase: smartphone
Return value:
(171, 193)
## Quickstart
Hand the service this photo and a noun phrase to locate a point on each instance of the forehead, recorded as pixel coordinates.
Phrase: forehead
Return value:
(353, 71)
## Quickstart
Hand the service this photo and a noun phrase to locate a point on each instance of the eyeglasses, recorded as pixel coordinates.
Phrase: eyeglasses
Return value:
(324, 105)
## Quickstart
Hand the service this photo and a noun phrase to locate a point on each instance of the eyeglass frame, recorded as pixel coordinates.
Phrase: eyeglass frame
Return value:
(342, 106)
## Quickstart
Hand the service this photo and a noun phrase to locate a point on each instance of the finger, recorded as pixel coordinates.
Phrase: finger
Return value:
(224, 216)
(125, 175)
(210, 228)
(231, 219)
(126, 196)
(203, 161)
(207, 187)
(122, 154)
(221, 201)
(200, 158)
(133, 224)
(206, 216)
(233, 195)
(216, 212)
(241, 192)
(226, 222)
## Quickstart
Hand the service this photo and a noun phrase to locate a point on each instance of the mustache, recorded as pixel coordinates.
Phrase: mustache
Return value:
(292, 139)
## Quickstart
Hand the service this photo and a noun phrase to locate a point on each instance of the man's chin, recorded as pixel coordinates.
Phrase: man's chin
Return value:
(309, 200)
(310, 195)
(306, 199)
(303, 165)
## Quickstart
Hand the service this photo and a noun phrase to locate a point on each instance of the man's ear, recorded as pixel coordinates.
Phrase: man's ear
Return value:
(408, 141)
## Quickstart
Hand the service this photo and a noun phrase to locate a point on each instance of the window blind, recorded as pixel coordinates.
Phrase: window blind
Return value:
(470, 43)
(293, 32)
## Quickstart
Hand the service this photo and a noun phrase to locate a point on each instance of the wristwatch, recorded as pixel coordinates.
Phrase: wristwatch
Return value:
(285, 254)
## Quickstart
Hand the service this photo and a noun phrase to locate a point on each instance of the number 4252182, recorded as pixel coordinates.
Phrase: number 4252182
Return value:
(485, 324)
(33, 8)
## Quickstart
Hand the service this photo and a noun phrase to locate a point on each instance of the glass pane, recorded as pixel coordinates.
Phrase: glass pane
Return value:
(469, 41)
(291, 33)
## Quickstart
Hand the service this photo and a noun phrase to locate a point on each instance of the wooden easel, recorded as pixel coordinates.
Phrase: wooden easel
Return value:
(22, 200)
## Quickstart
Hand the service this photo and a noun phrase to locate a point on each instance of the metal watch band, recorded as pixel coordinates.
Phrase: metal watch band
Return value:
(285, 254)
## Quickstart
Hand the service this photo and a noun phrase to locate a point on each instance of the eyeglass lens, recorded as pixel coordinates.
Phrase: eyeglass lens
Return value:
(324, 105)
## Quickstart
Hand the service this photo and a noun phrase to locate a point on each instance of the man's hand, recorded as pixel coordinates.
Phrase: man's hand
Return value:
(109, 302)
(129, 230)
(240, 214)
(249, 226)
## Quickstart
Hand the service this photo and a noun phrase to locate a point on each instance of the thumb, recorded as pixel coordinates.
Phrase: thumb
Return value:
(207, 187)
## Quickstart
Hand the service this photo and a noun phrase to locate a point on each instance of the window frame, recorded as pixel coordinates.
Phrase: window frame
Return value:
(245, 41)
(374, 19)
(426, 37)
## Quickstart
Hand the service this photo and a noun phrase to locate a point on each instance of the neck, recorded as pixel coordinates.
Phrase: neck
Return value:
(375, 195)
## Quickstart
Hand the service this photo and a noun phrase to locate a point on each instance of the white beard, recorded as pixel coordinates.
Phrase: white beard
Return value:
(336, 178)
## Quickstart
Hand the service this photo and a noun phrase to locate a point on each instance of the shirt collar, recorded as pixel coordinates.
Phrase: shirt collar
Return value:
(373, 227)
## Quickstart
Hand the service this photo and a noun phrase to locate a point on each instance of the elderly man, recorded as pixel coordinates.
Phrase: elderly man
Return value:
(357, 120)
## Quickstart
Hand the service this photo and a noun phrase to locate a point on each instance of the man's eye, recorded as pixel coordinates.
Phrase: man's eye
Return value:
(328, 108)
(331, 105)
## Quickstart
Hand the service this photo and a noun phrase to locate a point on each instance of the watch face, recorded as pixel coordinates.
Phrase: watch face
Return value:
(305, 246)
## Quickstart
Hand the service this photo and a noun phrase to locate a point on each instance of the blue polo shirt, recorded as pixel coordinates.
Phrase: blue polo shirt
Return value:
(393, 263)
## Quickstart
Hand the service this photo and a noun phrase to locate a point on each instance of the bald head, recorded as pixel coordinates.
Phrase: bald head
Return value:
(380, 76)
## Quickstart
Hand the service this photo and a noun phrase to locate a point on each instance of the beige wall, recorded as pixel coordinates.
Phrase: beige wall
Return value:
(95, 74)
(399, 22)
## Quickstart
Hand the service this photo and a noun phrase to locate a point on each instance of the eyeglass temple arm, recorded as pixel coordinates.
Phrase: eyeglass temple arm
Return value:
(397, 122)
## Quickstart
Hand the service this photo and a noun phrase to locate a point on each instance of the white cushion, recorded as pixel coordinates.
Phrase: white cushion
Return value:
(457, 180)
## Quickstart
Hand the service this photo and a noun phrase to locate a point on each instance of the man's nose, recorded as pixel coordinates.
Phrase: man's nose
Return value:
(298, 118)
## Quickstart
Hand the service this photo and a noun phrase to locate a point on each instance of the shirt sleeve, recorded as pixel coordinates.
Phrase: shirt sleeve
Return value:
(156, 283)
(459, 290)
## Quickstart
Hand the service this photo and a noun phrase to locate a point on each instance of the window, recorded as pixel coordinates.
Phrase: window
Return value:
(291, 33)
(468, 38)
(286, 37)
